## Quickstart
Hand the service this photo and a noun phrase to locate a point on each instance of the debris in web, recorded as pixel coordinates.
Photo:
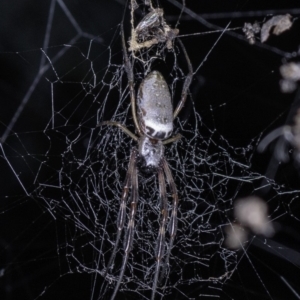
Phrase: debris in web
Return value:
(251, 214)
(291, 74)
(250, 31)
(236, 236)
(276, 25)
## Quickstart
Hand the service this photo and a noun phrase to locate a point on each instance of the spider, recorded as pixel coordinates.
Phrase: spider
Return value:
(153, 117)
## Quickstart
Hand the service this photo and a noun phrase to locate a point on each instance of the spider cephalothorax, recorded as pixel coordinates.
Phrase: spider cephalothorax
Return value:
(150, 154)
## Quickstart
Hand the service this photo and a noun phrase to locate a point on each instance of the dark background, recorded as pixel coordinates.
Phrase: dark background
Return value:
(236, 92)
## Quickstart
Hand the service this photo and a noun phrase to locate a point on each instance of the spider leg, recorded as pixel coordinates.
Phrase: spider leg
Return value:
(173, 189)
(172, 139)
(160, 243)
(122, 209)
(122, 127)
(186, 83)
(128, 68)
(173, 219)
(131, 225)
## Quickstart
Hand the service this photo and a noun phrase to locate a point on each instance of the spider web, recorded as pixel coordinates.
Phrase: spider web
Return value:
(63, 174)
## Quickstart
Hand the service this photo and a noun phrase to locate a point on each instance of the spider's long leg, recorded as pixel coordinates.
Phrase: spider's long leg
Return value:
(160, 244)
(131, 225)
(187, 81)
(172, 139)
(122, 210)
(173, 220)
(128, 68)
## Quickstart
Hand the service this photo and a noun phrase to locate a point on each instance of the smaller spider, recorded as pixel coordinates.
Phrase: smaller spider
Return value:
(152, 30)
(153, 122)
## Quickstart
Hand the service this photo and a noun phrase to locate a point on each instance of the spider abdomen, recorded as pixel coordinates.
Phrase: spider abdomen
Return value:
(154, 106)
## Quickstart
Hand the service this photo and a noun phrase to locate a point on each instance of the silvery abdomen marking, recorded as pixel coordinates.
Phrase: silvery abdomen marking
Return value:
(155, 110)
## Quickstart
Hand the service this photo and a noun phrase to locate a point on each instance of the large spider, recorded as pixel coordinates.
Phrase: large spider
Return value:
(153, 122)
